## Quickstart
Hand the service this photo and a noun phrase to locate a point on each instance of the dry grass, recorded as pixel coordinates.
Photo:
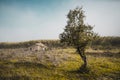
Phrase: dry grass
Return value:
(57, 64)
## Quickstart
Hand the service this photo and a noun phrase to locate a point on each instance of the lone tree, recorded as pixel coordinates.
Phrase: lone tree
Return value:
(77, 33)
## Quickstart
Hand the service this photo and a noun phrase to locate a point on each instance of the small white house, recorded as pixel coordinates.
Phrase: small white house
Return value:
(38, 47)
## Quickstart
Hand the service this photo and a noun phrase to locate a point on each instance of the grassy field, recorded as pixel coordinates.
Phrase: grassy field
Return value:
(58, 64)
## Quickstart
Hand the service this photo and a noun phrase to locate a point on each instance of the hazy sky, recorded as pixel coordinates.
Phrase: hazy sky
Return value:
(22, 20)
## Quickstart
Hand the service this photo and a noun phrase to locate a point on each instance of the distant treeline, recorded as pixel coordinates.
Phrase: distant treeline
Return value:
(106, 43)
(100, 43)
(49, 43)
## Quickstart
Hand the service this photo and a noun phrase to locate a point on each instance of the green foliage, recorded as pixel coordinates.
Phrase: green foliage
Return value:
(76, 32)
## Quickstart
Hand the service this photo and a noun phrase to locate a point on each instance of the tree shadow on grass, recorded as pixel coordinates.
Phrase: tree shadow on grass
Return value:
(81, 74)
(104, 54)
(29, 65)
(9, 68)
(14, 78)
(81, 70)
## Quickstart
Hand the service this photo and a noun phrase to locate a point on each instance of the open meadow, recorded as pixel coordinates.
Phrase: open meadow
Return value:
(59, 39)
(58, 64)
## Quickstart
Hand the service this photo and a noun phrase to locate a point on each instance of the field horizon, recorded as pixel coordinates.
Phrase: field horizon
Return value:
(59, 39)
(58, 62)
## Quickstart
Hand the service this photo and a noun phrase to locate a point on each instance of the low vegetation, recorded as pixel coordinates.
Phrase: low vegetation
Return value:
(58, 64)
(103, 43)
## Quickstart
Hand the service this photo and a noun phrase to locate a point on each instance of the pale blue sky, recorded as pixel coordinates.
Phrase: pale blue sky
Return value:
(22, 20)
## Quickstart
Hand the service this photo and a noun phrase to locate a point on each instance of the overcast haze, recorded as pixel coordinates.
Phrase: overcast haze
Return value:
(22, 20)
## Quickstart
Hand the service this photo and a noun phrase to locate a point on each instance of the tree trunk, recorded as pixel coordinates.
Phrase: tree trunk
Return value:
(83, 56)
